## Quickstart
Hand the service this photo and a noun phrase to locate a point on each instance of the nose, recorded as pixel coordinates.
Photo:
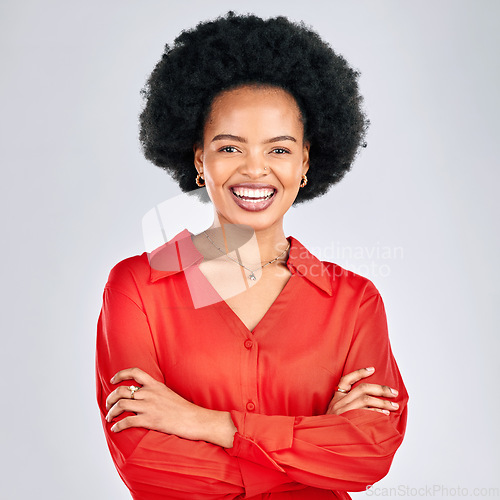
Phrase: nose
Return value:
(254, 166)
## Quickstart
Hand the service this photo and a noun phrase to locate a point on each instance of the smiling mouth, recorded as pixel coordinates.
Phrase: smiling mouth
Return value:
(253, 195)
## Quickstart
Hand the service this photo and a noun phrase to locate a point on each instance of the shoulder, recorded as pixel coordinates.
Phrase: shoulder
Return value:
(130, 274)
(329, 276)
(346, 280)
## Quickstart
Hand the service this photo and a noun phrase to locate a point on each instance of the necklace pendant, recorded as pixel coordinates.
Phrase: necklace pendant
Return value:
(252, 277)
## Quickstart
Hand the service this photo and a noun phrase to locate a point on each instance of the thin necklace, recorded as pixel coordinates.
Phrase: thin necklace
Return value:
(251, 276)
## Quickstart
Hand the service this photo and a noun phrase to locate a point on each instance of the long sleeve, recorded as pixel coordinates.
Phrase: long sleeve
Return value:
(152, 464)
(336, 452)
(276, 382)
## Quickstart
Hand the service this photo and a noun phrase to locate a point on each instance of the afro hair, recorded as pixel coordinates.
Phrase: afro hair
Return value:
(239, 50)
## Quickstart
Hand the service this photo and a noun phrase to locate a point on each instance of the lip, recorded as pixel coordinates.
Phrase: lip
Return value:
(253, 206)
(253, 185)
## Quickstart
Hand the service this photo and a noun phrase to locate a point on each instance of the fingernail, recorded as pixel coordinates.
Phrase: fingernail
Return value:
(394, 404)
(112, 380)
(113, 428)
(394, 392)
(370, 369)
(387, 412)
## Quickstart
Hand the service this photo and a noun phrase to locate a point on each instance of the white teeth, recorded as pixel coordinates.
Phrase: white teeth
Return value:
(248, 198)
(253, 201)
(257, 194)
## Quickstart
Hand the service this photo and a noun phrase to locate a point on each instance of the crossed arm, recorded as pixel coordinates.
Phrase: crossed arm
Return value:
(158, 408)
(166, 446)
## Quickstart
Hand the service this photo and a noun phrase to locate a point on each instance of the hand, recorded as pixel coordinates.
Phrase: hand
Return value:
(158, 408)
(364, 396)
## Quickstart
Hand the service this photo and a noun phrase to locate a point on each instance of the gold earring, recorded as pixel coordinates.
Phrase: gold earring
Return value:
(304, 181)
(198, 183)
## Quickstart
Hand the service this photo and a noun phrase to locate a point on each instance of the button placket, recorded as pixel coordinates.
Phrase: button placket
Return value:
(249, 375)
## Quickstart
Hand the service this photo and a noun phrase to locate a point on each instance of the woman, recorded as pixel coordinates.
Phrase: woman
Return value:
(233, 363)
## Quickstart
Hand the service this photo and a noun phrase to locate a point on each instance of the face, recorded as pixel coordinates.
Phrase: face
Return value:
(253, 155)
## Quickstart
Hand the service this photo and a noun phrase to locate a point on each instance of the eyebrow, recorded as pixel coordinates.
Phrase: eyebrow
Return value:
(232, 137)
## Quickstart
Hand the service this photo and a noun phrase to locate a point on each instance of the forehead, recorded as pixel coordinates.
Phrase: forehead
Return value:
(247, 106)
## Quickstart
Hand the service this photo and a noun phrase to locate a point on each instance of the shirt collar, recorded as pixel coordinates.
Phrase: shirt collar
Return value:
(180, 253)
(174, 256)
(303, 262)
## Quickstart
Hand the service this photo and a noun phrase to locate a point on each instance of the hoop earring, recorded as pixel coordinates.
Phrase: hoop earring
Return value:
(198, 183)
(304, 181)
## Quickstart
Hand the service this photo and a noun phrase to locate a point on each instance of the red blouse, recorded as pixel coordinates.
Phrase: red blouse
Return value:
(276, 381)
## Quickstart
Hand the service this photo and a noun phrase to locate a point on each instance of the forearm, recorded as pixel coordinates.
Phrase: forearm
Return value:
(155, 464)
(217, 427)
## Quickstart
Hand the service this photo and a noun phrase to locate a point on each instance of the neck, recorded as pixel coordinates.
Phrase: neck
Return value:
(271, 240)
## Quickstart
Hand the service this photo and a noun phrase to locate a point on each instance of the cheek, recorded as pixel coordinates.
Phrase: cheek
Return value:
(290, 176)
(217, 169)
(216, 175)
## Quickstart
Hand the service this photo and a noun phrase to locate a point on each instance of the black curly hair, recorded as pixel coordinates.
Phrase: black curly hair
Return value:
(236, 50)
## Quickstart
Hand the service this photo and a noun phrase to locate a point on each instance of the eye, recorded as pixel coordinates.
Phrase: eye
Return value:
(280, 151)
(228, 149)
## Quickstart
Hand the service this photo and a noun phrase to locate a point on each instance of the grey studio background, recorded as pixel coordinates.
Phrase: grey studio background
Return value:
(416, 215)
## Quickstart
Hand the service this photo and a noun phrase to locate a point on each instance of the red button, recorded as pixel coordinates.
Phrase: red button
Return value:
(248, 344)
(250, 406)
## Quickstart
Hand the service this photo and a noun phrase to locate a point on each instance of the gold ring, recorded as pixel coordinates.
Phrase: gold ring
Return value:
(133, 389)
(338, 389)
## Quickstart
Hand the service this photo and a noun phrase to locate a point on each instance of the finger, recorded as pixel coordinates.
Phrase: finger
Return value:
(351, 378)
(373, 390)
(121, 406)
(122, 392)
(335, 401)
(362, 395)
(385, 412)
(136, 374)
(127, 422)
(338, 403)
(365, 390)
(365, 402)
(332, 407)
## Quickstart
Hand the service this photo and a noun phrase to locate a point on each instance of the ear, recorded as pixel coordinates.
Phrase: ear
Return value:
(198, 157)
(305, 157)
